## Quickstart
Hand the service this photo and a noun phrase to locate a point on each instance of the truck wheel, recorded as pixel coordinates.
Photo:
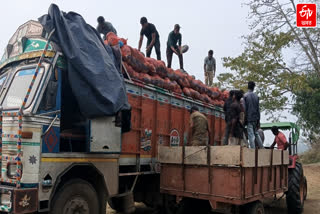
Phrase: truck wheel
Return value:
(114, 203)
(169, 206)
(124, 204)
(305, 188)
(254, 208)
(76, 196)
(191, 206)
(295, 193)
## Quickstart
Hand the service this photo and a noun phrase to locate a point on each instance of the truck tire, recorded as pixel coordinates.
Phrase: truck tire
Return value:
(169, 204)
(191, 206)
(305, 190)
(124, 204)
(114, 203)
(75, 196)
(295, 193)
(254, 208)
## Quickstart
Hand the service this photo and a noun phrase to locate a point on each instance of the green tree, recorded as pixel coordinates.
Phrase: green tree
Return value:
(307, 107)
(278, 56)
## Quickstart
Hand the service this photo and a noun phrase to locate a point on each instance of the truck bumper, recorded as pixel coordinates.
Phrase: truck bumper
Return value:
(18, 200)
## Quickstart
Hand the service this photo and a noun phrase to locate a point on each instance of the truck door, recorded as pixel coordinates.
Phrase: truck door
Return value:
(105, 136)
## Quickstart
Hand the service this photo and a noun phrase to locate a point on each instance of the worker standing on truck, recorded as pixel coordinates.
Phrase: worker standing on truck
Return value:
(172, 47)
(150, 31)
(105, 27)
(252, 116)
(242, 119)
(209, 68)
(242, 106)
(236, 128)
(199, 128)
(280, 139)
(226, 109)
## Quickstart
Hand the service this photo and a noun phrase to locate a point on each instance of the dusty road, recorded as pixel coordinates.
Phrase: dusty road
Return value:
(311, 206)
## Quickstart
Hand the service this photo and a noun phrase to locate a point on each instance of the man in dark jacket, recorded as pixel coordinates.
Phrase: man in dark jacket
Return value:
(236, 128)
(172, 47)
(226, 109)
(252, 116)
(105, 27)
(150, 31)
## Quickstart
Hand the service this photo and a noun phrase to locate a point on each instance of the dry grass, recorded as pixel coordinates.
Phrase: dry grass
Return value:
(312, 155)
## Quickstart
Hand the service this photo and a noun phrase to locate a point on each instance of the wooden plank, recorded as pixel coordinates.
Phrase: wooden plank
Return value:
(196, 155)
(263, 157)
(248, 157)
(276, 157)
(225, 155)
(285, 157)
(221, 155)
(170, 154)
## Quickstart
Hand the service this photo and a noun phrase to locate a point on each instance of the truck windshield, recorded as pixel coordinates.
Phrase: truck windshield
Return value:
(19, 87)
(2, 79)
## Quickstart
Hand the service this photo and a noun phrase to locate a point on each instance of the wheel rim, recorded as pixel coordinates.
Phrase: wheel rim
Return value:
(260, 210)
(304, 189)
(76, 205)
(301, 191)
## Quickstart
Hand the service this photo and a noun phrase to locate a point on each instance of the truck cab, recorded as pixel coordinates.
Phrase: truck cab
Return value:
(46, 142)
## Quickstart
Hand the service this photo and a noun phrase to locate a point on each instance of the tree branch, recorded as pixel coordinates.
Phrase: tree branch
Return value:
(299, 40)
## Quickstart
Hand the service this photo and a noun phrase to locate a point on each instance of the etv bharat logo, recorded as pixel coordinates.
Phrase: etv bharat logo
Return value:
(306, 15)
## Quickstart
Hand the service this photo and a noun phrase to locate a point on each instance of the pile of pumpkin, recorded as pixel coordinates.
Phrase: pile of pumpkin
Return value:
(152, 71)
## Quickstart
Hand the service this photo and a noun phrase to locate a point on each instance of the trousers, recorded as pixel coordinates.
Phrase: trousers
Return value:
(209, 77)
(253, 135)
(156, 46)
(169, 57)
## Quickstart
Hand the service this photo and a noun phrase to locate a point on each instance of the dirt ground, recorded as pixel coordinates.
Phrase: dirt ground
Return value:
(311, 206)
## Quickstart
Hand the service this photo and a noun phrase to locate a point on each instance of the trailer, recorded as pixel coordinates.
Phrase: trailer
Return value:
(225, 176)
(232, 179)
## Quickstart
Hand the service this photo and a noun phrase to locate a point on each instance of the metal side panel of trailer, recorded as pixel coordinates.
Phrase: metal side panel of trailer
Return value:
(226, 174)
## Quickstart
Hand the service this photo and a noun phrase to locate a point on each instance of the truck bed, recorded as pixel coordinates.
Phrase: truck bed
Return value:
(223, 174)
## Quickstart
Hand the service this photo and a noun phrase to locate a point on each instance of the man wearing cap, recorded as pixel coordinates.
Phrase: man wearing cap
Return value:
(105, 27)
(150, 31)
(172, 47)
(209, 68)
(199, 129)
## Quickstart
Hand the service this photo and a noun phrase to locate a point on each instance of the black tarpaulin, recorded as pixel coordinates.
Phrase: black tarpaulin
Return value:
(94, 79)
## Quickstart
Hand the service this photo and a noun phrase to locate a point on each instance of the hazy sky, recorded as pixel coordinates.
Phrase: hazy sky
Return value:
(206, 24)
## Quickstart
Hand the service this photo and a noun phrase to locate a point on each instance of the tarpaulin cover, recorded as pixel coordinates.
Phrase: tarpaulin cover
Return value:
(93, 76)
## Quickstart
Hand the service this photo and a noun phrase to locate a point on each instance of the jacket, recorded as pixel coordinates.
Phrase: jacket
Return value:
(252, 108)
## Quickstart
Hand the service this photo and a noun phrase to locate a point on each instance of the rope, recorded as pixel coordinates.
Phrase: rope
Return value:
(196, 152)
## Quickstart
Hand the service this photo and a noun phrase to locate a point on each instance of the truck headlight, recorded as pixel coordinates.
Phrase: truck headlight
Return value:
(6, 199)
(12, 169)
